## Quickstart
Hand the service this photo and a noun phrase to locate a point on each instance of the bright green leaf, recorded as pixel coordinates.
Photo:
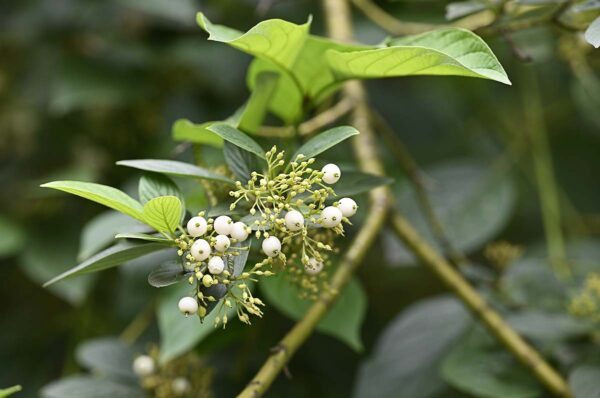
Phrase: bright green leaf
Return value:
(450, 52)
(175, 168)
(238, 138)
(276, 40)
(163, 213)
(105, 195)
(405, 357)
(184, 130)
(258, 104)
(145, 237)
(322, 142)
(342, 321)
(6, 392)
(111, 257)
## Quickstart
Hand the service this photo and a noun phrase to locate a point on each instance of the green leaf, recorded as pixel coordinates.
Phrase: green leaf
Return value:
(184, 130)
(100, 232)
(153, 185)
(175, 168)
(325, 140)
(548, 327)
(479, 367)
(275, 40)
(405, 357)
(106, 356)
(592, 33)
(163, 213)
(312, 78)
(111, 257)
(241, 163)
(145, 237)
(167, 274)
(105, 195)
(13, 237)
(449, 52)
(342, 321)
(356, 182)
(179, 334)
(180, 12)
(238, 138)
(257, 106)
(89, 387)
(584, 381)
(472, 202)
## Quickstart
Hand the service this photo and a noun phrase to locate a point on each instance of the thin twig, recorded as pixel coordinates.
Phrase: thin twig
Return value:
(139, 324)
(526, 354)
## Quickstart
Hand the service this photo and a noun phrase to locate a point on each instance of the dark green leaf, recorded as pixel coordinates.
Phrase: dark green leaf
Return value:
(238, 138)
(13, 237)
(89, 387)
(324, 141)
(548, 327)
(479, 367)
(179, 334)
(105, 195)
(342, 321)
(173, 167)
(167, 274)
(241, 163)
(111, 257)
(145, 237)
(153, 185)
(405, 357)
(239, 262)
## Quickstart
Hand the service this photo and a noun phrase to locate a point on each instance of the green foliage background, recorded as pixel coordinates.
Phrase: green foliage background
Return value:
(84, 84)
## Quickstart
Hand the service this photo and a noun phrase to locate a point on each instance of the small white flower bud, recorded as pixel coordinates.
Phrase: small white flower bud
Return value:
(188, 306)
(239, 231)
(331, 173)
(196, 226)
(216, 265)
(332, 216)
(313, 266)
(222, 243)
(223, 225)
(144, 365)
(200, 250)
(271, 246)
(347, 206)
(294, 220)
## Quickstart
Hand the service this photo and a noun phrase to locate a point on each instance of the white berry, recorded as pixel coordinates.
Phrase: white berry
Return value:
(314, 266)
(180, 386)
(331, 216)
(347, 206)
(294, 220)
(271, 246)
(223, 225)
(200, 250)
(144, 365)
(196, 226)
(331, 173)
(216, 265)
(239, 231)
(222, 243)
(188, 306)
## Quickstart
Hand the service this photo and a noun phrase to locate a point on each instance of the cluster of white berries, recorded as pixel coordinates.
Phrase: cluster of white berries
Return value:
(289, 205)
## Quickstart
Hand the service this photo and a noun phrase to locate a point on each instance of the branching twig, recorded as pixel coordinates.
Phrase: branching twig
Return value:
(515, 343)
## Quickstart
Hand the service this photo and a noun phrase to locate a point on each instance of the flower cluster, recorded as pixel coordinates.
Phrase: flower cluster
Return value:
(586, 304)
(185, 377)
(291, 208)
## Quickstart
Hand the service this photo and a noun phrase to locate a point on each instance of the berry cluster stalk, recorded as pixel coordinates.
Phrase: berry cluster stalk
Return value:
(365, 147)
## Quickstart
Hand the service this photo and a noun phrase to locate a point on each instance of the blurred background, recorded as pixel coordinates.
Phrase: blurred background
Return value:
(84, 83)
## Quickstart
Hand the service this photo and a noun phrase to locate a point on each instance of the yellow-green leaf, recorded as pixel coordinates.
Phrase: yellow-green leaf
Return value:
(163, 213)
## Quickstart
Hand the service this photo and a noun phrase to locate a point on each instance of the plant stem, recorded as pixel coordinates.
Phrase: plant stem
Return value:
(9, 391)
(544, 173)
(365, 148)
(138, 325)
(507, 336)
